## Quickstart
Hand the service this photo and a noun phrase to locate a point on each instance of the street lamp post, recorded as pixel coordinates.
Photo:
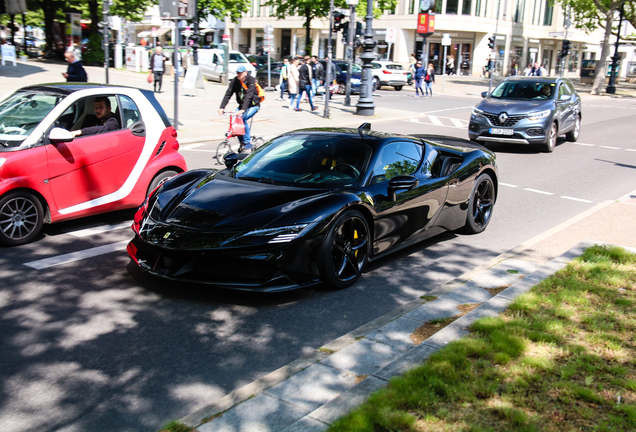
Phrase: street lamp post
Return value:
(365, 105)
(351, 56)
(196, 36)
(611, 85)
(328, 77)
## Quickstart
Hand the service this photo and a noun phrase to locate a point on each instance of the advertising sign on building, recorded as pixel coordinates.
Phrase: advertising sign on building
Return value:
(425, 24)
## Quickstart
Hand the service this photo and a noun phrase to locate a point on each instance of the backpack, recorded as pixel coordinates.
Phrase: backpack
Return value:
(259, 90)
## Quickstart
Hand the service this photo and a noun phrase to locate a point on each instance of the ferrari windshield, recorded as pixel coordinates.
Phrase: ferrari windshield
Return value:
(307, 160)
(524, 90)
(21, 112)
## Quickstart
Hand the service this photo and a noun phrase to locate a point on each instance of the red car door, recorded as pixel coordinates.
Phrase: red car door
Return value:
(92, 166)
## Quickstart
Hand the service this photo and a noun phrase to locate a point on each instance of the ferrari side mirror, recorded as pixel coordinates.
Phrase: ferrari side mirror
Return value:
(230, 160)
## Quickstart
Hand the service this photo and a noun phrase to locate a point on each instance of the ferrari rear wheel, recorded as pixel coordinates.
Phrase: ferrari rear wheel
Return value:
(480, 205)
(345, 250)
(21, 218)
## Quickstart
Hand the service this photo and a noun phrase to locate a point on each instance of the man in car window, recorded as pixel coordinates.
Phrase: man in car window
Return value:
(107, 122)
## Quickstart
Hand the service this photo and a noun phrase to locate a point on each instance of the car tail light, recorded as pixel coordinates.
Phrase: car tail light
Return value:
(132, 252)
(405, 73)
(175, 145)
(387, 72)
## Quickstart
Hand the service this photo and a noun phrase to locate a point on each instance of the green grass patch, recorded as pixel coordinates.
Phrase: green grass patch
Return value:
(561, 358)
(175, 426)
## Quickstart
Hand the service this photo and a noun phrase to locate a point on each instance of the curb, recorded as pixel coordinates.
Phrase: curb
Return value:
(319, 418)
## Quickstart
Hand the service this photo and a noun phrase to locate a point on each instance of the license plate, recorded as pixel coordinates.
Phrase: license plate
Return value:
(495, 131)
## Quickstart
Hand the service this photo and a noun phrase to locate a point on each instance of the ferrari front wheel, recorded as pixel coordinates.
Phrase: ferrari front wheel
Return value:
(480, 205)
(345, 250)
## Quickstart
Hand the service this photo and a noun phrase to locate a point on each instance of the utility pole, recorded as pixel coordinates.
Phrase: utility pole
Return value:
(196, 36)
(351, 49)
(105, 29)
(494, 60)
(328, 77)
(365, 105)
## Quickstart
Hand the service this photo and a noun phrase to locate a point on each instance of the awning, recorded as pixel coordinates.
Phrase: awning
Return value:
(208, 30)
(144, 34)
(159, 32)
(163, 30)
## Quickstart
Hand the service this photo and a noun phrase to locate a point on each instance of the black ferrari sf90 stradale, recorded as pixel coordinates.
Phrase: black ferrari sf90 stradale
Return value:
(312, 205)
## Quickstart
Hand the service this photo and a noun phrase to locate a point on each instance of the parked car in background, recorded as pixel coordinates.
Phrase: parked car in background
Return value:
(341, 75)
(527, 110)
(211, 63)
(258, 61)
(47, 175)
(387, 73)
(262, 74)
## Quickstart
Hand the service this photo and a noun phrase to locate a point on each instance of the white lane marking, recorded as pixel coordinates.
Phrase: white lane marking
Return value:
(630, 149)
(191, 146)
(509, 185)
(608, 147)
(436, 121)
(458, 123)
(448, 109)
(538, 191)
(100, 229)
(77, 256)
(587, 145)
(576, 199)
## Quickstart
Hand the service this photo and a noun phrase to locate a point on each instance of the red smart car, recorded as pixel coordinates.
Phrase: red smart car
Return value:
(49, 174)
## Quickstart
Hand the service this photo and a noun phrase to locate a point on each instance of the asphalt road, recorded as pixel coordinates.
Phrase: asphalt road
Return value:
(90, 343)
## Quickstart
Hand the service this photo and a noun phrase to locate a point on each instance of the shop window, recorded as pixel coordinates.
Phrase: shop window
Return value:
(549, 12)
(452, 6)
(438, 6)
(411, 6)
(477, 7)
(466, 5)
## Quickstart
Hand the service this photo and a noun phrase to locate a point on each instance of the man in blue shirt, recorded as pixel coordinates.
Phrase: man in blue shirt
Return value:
(75, 72)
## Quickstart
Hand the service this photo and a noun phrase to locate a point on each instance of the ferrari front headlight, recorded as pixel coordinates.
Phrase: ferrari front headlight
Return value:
(278, 235)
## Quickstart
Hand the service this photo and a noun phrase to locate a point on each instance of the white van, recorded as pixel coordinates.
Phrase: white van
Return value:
(211, 63)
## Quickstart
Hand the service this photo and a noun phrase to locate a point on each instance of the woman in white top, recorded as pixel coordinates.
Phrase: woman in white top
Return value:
(292, 81)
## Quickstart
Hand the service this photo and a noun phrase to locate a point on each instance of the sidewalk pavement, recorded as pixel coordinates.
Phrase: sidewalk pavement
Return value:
(197, 116)
(312, 392)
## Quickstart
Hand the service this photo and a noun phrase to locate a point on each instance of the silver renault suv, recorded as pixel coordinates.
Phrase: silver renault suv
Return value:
(527, 110)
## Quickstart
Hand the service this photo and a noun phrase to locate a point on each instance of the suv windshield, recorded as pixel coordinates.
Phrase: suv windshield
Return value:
(305, 160)
(21, 112)
(525, 90)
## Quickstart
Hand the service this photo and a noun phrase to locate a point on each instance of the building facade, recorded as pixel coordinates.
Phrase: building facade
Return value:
(528, 31)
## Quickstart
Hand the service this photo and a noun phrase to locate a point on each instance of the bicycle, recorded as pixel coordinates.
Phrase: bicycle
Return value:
(225, 147)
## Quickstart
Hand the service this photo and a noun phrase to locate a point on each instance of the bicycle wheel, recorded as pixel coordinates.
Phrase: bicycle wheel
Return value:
(223, 149)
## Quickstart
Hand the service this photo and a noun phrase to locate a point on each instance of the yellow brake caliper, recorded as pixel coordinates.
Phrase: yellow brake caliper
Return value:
(355, 237)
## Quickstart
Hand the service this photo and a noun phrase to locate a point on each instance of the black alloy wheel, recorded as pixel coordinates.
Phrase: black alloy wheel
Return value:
(345, 250)
(397, 88)
(378, 86)
(480, 205)
(21, 218)
(573, 135)
(553, 134)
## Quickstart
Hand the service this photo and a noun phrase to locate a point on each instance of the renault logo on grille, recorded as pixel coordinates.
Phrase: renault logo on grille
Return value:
(503, 117)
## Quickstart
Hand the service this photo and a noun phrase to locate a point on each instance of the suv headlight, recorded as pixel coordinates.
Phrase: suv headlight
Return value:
(539, 115)
(477, 112)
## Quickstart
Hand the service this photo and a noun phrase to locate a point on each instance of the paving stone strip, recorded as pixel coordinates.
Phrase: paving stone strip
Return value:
(311, 393)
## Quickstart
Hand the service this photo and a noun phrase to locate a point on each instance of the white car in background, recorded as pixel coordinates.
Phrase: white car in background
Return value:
(211, 63)
(387, 73)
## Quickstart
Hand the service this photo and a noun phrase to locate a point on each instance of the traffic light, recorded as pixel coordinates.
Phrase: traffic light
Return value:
(337, 22)
(345, 32)
(565, 50)
(491, 42)
(359, 29)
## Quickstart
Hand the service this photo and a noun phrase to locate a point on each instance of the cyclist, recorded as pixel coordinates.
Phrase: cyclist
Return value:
(244, 87)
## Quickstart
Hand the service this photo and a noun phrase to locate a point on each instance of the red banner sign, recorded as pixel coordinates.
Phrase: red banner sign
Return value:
(425, 24)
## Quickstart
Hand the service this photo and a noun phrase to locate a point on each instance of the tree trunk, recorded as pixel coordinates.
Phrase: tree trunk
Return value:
(93, 9)
(308, 41)
(601, 64)
(49, 9)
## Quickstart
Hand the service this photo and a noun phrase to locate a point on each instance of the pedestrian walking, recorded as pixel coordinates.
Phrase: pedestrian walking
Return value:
(413, 63)
(292, 81)
(304, 83)
(536, 70)
(158, 67)
(318, 76)
(450, 64)
(249, 103)
(283, 79)
(75, 71)
(527, 70)
(420, 72)
(429, 79)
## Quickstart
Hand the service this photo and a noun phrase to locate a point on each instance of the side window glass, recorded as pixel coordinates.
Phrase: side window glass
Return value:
(69, 117)
(82, 113)
(129, 112)
(562, 90)
(398, 158)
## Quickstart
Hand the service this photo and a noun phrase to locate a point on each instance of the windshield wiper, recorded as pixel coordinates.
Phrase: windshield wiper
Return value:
(259, 179)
